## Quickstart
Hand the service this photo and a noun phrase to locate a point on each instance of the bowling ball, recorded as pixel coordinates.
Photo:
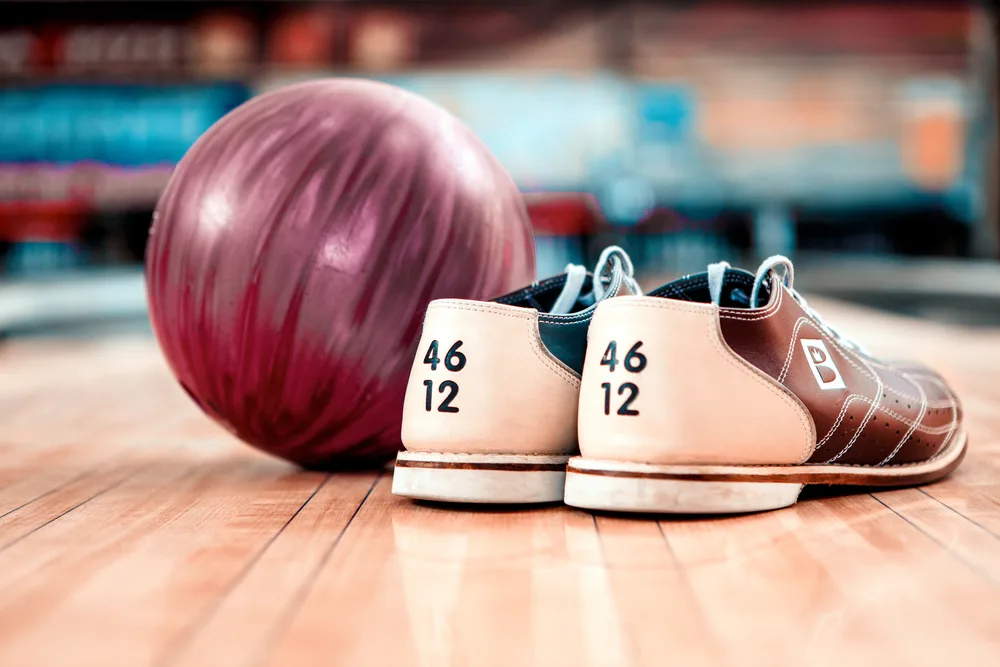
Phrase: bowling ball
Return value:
(296, 246)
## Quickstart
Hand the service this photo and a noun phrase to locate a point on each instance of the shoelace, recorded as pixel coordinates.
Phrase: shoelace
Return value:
(788, 275)
(613, 260)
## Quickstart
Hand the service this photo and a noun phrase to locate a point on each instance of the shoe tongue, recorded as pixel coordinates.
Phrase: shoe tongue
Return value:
(716, 276)
(576, 277)
(728, 287)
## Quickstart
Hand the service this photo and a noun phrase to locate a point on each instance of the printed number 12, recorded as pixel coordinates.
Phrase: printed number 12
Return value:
(446, 406)
(625, 409)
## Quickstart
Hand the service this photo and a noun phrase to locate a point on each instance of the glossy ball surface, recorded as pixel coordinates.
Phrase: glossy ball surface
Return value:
(296, 247)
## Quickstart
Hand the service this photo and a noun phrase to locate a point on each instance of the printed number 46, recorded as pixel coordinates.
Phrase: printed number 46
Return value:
(634, 362)
(454, 361)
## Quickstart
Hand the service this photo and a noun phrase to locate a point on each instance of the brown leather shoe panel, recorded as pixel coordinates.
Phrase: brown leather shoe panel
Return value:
(928, 408)
(839, 437)
(883, 413)
(874, 444)
(909, 387)
(920, 447)
(773, 338)
(828, 405)
(941, 403)
(942, 418)
(753, 334)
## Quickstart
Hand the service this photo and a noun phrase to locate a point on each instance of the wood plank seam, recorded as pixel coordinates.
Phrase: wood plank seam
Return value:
(59, 487)
(952, 509)
(175, 649)
(685, 577)
(971, 566)
(295, 603)
(75, 507)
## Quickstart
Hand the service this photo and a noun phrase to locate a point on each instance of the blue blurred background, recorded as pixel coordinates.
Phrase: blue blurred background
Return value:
(859, 139)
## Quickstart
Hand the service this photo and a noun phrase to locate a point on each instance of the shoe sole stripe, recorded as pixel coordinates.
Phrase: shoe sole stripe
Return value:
(888, 476)
(515, 467)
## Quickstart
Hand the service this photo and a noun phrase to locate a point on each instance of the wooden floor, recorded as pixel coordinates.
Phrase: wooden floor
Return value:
(134, 532)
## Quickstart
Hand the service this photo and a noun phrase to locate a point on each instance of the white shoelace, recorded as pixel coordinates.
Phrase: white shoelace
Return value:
(788, 275)
(613, 260)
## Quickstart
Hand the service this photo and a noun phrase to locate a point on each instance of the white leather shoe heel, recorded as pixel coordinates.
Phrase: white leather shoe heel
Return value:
(489, 414)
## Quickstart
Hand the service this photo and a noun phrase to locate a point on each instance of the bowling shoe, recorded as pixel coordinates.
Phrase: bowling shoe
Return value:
(724, 392)
(490, 408)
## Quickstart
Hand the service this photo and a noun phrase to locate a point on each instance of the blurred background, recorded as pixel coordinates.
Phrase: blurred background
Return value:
(859, 139)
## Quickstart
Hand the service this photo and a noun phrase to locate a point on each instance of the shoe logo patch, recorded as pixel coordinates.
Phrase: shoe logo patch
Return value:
(826, 373)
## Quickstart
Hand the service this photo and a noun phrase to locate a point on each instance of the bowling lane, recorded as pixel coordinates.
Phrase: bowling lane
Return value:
(134, 531)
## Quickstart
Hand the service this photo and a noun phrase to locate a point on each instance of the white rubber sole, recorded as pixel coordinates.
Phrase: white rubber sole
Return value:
(480, 478)
(671, 496)
(676, 489)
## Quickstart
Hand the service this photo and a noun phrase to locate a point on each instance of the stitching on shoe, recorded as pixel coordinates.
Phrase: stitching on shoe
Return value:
(564, 372)
(715, 335)
(920, 427)
(563, 320)
(754, 315)
(895, 466)
(952, 425)
(913, 426)
(534, 337)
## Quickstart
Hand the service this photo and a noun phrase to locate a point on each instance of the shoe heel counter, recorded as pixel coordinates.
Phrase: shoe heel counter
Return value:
(493, 388)
(660, 385)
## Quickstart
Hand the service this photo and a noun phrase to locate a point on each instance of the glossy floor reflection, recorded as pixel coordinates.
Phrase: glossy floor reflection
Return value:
(829, 581)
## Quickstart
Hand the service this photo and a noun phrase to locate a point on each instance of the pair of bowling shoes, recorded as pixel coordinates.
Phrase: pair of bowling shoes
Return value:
(720, 392)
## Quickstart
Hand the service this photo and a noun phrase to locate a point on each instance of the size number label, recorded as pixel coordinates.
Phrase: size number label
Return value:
(633, 362)
(453, 361)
